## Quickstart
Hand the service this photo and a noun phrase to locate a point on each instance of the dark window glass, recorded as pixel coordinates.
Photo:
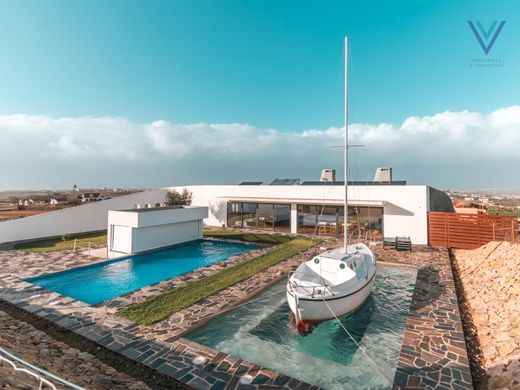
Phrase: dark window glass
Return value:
(234, 214)
(265, 216)
(249, 215)
(282, 217)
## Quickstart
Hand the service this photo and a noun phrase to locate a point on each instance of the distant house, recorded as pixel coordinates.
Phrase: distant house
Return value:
(93, 197)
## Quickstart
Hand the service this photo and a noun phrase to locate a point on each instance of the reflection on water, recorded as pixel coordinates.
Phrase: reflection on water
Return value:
(261, 332)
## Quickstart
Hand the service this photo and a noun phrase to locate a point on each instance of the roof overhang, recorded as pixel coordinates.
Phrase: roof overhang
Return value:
(332, 202)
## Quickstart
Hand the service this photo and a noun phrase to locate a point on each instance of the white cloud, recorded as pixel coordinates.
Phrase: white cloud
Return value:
(469, 148)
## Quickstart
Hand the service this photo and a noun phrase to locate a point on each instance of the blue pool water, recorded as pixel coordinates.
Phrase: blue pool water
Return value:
(261, 332)
(99, 282)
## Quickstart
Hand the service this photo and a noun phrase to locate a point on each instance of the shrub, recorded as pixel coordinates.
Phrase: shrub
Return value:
(174, 198)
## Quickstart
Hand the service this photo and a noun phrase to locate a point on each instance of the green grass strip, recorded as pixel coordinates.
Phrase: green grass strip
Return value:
(64, 243)
(162, 306)
(259, 238)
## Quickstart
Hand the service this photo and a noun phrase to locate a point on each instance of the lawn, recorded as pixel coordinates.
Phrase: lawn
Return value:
(97, 239)
(258, 238)
(162, 306)
(64, 243)
(504, 212)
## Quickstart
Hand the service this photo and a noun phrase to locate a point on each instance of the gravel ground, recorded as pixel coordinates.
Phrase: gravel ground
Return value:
(489, 278)
(68, 356)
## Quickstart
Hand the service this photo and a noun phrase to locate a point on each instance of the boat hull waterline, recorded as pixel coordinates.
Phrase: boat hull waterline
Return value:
(316, 310)
(331, 285)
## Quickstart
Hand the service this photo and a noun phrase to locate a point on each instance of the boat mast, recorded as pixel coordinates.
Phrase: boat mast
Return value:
(345, 157)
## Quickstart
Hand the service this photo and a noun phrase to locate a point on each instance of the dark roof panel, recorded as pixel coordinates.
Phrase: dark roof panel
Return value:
(284, 182)
(251, 183)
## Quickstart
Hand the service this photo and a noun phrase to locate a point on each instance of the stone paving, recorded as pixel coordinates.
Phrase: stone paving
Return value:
(433, 354)
(161, 349)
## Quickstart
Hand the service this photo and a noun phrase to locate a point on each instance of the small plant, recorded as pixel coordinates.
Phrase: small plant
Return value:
(174, 198)
(65, 237)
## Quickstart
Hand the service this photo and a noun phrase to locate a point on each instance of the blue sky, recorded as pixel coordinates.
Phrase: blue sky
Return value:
(269, 64)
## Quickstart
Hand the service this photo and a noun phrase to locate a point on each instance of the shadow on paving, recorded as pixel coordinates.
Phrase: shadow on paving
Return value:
(428, 288)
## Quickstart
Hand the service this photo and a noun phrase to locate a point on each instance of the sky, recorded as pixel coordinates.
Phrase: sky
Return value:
(149, 94)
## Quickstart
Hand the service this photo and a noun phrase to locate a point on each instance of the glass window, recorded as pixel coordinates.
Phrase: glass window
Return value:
(265, 216)
(363, 222)
(307, 218)
(249, 215)
(282, 217)
(234, 214)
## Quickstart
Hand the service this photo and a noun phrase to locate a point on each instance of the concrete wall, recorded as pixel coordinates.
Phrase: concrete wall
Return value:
(84, 218)
(136, 231)
(153, 237)
(405, 207)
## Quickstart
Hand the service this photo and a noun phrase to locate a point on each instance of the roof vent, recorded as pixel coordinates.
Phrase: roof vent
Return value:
(383, 175)
(328, 175)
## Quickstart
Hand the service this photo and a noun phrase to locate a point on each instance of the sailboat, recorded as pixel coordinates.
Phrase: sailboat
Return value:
(338, 281)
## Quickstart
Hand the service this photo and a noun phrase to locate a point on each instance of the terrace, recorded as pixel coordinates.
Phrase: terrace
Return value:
(148, 326)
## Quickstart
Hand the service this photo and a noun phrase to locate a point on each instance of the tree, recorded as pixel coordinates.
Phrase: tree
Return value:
(174, 198)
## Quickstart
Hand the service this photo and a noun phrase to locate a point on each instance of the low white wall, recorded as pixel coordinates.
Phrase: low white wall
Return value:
(165, 235)
(135, 231)
(84, 218)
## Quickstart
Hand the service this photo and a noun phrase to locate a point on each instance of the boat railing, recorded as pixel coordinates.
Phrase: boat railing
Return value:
(43, 377)
(312, 292)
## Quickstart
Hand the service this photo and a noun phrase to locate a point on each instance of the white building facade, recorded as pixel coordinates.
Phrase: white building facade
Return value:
(374, 210)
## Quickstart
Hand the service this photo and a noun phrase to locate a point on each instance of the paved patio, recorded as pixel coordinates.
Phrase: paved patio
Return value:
(160, 346)
(433, 353)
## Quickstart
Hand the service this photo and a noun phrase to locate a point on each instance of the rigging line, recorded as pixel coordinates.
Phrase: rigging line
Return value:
(255, 299)
(359, 346)
(320, 214)
(352, 114)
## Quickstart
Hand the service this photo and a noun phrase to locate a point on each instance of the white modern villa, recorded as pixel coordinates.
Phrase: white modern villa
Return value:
(376, 208)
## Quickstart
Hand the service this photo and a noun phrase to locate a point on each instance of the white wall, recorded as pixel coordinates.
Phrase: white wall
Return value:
(84, 218)
(164, 235)
(405, 207)
(136, 231)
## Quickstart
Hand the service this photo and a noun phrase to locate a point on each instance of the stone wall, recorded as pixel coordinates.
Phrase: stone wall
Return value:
(490, 276)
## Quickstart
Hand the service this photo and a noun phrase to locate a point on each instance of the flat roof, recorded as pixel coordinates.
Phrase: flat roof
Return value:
(147, 209)
(354, 183)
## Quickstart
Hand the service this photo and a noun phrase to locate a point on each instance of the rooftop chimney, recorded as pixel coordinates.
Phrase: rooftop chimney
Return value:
(383, 175)
(328, 175)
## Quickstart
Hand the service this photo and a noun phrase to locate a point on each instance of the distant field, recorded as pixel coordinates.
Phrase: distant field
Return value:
(504, 212)
(14, 214)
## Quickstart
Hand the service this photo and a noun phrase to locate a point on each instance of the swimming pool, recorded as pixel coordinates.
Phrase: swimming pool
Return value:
(261, 332)
(99, 282)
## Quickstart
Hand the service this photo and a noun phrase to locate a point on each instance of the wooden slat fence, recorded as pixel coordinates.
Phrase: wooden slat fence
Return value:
(468, 231)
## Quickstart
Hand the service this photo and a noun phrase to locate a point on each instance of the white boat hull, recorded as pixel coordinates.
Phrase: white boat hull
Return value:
(317, 310)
